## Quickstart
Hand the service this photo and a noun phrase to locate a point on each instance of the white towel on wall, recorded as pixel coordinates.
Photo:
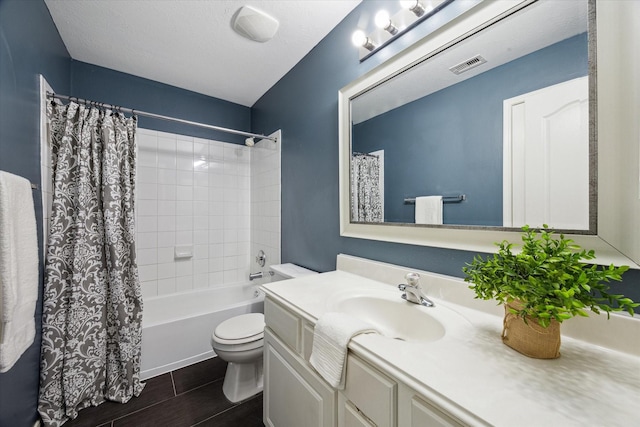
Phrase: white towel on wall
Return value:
(429, 210)
(18, 268)
(331, 337)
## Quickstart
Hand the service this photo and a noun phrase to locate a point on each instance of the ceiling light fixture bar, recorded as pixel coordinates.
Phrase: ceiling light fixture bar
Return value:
(413, 12)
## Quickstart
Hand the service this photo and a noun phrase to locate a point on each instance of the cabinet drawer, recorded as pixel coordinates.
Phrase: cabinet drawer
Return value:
(353, 418)
(372, 392)
(425, 414)
(285, 324)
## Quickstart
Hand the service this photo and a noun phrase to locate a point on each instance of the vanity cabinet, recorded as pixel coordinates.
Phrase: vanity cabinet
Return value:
(296, 396)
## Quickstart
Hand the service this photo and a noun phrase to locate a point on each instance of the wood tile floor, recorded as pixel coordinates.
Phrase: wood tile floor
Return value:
(190, 396)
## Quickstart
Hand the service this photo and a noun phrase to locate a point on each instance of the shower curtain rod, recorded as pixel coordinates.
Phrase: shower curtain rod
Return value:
(161, 117)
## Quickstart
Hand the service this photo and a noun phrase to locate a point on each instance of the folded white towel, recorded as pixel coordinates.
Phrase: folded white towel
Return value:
(330, 339)
(429, 210)
(18, 268)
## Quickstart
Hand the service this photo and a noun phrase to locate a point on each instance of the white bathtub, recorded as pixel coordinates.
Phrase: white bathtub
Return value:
(177, 328)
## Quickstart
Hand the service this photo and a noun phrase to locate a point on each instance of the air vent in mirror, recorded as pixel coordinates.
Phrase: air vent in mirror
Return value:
(468, 64)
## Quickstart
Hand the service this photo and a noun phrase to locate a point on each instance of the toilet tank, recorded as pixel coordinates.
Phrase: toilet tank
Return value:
(289, 271)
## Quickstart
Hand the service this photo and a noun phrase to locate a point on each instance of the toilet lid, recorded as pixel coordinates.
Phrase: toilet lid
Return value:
(241, 327)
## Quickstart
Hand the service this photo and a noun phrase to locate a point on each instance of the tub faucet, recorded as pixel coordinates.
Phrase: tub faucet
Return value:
(253, 276)
(412, 291)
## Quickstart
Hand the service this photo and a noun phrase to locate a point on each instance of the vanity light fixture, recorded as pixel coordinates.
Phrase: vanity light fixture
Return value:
(360, 39)
(384, 22)
(413, 12)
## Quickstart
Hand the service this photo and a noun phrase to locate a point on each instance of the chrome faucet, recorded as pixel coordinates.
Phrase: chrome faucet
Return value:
(412, 291)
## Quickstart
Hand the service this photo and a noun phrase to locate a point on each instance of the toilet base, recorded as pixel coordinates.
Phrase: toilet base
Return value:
(243, 380)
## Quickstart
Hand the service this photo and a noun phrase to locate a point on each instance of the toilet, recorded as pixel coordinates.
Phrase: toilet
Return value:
(240, 340)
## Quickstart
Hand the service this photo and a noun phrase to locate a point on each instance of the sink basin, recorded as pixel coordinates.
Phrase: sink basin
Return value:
(398, 319)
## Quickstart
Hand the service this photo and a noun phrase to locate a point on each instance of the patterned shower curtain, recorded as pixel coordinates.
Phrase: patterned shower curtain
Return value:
(366, 203)
(92, 309)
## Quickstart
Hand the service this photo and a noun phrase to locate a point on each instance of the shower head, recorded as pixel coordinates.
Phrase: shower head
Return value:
(249, 142)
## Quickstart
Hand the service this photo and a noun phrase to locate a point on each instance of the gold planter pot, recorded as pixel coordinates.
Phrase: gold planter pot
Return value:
(528, 337)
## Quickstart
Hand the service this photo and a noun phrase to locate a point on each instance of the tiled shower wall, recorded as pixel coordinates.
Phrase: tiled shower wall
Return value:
(221, 199)
(197, 193)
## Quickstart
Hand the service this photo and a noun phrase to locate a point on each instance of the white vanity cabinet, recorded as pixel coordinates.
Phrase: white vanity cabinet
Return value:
(296, 396)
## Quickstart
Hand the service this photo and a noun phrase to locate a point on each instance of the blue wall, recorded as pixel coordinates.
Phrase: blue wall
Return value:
(304, 104)
(29, 45)
(450, 142)
(113, 87)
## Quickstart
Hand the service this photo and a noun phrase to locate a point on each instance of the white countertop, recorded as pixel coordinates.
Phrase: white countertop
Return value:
(589, 385)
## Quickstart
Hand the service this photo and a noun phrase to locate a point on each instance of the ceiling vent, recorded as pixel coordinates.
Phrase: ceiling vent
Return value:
(254, 24)
(468, 64)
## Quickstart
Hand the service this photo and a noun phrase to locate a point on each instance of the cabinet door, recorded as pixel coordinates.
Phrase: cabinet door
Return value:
(293, 395)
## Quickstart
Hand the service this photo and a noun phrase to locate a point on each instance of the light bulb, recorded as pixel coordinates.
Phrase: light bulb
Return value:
(414, 6)
(408, 4)
(358, 38)
(382, 19)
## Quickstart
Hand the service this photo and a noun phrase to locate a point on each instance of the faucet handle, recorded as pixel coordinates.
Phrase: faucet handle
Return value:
(412, 279)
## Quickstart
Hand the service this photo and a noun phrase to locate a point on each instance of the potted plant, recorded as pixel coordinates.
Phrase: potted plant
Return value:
(543, 285)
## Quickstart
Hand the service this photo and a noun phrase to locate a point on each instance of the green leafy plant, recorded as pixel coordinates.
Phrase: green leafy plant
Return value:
(548, 278)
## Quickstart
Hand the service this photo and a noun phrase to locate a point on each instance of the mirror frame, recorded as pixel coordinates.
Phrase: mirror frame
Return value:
(469, 238)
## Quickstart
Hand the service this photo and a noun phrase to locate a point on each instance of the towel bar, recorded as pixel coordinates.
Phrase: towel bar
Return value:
(445, 199)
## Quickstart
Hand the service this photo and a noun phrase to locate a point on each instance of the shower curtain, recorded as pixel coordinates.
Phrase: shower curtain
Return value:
(92, 304)
(366, 203)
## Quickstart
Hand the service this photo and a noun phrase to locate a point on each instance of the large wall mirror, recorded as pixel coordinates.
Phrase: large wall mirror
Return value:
(486, 125)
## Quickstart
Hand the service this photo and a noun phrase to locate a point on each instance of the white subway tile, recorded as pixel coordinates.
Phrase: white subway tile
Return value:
(185, 178)
(166, 239)
(166, 271)
(216, 279)
(167, 192)
(166, 208)
(185, 193)
(147, 272)
(201, 179)
(201, 222)
(184, 237)
(201, 251)
(184, 207)
(166, 176)
(184, 267)
(200, 266)
(147, 174)
(216, 250)
(147, 256)
(147, 240)
(216, 264)
(184, 283)
(165, 255)
(167, 286)
(201, 193)
(146, 191)
(184, 162)
(201, 281)
(147, 157)
(167, 223)
(146, 224)
(184, 223)
(149, 289)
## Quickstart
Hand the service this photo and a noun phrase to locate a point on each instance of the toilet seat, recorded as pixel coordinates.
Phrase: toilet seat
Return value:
(243, 329)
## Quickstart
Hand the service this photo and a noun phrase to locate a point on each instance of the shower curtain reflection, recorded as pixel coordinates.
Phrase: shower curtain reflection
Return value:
(366, 194)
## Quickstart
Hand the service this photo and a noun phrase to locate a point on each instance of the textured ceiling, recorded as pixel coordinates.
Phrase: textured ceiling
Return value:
(190, 44)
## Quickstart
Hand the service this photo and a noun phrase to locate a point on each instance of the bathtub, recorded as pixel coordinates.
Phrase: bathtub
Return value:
(177, 328)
